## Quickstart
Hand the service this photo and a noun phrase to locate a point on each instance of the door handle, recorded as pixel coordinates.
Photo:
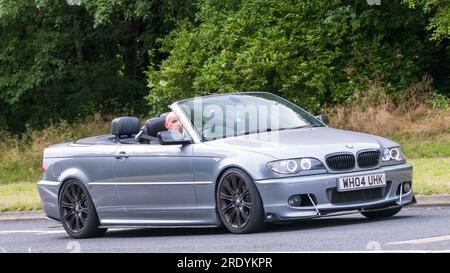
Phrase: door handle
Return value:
(120, 155)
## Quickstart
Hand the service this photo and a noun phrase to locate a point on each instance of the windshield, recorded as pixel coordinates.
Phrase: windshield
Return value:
(237, 114)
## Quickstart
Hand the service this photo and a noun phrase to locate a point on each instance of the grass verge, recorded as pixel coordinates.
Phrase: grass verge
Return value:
(431, 175)
(19, 197)
(414, 147)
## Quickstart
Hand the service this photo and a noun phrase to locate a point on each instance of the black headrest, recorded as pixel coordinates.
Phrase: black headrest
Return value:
(155, 125)
(125, 126)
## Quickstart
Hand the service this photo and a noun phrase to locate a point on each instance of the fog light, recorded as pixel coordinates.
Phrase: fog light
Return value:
(295, 201)
(406, 187)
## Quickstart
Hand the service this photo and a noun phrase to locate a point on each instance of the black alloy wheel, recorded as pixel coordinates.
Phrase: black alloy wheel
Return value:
(239, 204)
(77, 211)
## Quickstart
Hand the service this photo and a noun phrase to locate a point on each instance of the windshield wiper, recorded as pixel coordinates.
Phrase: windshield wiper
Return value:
(272, 130)
(297, 127)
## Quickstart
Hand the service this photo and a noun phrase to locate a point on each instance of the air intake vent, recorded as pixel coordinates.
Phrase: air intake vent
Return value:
(364, 195)
(341, 162)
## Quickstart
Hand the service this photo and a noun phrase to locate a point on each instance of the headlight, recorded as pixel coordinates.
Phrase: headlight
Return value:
(393, 154)
(386, 155)
(305, 164)
(396, 154)
(291, 166)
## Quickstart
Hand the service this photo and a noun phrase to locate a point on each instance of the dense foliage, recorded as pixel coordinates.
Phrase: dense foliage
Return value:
(312, 52)
(64, 62)
(60, 61)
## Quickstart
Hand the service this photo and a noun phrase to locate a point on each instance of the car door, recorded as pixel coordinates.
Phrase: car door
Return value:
(151, 179)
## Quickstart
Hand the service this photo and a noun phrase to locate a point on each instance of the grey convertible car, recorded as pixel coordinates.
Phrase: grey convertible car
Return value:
(240, 160)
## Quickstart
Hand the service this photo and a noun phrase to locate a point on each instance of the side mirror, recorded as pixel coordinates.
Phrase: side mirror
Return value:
(172, 138)
(322, 119)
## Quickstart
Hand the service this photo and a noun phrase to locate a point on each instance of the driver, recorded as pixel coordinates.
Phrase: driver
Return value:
(173, 124)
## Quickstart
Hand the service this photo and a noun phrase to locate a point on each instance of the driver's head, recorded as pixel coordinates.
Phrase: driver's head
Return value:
(172, 123)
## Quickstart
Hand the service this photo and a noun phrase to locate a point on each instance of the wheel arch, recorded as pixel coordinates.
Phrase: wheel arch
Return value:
(65, 181)
(72, 174)
(219, 176)
(78, 175)
(226, 168)
(91, 222)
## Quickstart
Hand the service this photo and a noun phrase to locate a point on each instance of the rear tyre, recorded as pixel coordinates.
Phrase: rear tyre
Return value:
(381, 213)
(77, 211)
(238, 202)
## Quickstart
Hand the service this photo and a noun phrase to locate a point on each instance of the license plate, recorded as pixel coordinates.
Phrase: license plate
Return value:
(362, 182)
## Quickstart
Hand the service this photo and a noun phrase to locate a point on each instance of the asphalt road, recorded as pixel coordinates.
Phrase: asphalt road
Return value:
(413, 229)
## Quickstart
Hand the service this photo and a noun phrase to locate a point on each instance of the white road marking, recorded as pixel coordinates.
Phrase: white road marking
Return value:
(35, 231)
(422, 240)
(50, 232)
(44, 231)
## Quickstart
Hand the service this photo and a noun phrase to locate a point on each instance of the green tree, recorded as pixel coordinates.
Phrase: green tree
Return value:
(139, 22)
(439, 10)
(438, 25)
(60, 61)
(311, 52)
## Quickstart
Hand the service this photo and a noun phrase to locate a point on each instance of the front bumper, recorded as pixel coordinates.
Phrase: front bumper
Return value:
(276, 192)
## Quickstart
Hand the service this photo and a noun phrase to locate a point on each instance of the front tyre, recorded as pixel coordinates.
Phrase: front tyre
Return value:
(238, 202)
(77, 211)
(381, 213)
